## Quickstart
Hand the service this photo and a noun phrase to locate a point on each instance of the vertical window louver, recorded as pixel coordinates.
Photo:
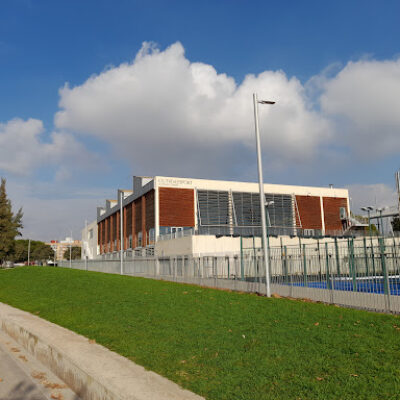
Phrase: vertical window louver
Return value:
(213, 207)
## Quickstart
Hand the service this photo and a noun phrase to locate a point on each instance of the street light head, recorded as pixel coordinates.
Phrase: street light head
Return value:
(266, 102)
(367, 208)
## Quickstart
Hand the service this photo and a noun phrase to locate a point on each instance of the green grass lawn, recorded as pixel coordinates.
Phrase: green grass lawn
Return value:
(222, 345)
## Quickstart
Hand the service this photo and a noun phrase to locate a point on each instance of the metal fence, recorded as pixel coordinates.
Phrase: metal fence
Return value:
(362, 273)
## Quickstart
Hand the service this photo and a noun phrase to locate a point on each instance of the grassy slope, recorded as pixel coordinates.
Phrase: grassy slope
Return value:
(219, 344)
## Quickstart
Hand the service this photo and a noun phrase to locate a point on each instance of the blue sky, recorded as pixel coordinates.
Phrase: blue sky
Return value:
(320, 60)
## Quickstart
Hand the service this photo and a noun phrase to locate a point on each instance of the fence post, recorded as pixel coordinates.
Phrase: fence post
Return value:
(373, 259)
(305, 266)
(319, 260)
(337, 258)
(241, 260)
(291, 277)
(366, 257)
(255, 259)
(215, 270)
(386, 287)
(285, 266)
(328, 277)
(352, 264)
(395, 259)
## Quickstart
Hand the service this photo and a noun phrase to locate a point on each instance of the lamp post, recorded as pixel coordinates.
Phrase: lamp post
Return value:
(262, 196)
(368, 209)
(121, 230)
(379, 210)
(70, 251)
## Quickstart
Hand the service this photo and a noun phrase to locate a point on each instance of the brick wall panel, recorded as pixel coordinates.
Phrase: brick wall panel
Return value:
(332, 212)
(176, 207)
(310, 212)
(150, 210)
(138, 215)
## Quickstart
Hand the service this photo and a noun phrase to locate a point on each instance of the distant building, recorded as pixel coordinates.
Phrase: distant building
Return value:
(161, 208)
(90, 248)
(59, 247)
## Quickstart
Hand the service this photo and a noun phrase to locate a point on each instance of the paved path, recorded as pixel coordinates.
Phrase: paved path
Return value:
(15, 383)
(23, 378)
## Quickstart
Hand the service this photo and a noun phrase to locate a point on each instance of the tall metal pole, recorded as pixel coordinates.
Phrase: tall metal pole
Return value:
(86, 247)
(121, 231)
(70, 251)
(262, 197)
(369, 223)
(29, 252)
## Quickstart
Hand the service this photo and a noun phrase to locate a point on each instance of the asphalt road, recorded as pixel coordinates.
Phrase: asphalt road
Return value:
(15, 383)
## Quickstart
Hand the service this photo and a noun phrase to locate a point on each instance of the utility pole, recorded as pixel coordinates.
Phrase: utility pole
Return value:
(121, 231)
(29, 252)
(262, 195)
(70, 251)
(85, 247)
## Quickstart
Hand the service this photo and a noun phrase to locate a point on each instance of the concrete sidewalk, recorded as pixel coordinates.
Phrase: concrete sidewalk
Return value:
(22, 377)
(89, 369)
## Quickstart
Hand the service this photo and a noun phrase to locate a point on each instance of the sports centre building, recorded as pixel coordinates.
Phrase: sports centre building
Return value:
(165, 214)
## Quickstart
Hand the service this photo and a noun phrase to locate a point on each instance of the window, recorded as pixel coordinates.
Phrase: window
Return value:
(140, 237)
(90, 233)
(151, 236)
(213, 207)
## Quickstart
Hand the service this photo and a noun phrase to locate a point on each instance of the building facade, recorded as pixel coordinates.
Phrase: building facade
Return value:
(161, 206)
(90, 247)
(60, 246)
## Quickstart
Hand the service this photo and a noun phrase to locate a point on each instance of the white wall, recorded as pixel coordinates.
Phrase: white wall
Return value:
(89, 241)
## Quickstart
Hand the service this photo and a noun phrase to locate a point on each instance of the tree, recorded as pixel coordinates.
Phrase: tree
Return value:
(75, 253)
(40, 251)
(10, 224)
(396, 224)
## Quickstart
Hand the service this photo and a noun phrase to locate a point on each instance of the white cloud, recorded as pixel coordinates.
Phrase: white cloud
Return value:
(375, 195)
(22, 149)
(364, 99)
(52, 210)
(162, 112)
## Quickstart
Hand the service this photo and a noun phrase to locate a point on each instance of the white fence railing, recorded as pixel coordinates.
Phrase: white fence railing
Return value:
(358, 273)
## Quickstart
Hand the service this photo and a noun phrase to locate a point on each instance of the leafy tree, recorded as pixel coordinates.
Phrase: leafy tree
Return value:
(10, 224)
(75, 253)
(396, 224)
(20, 253)
(39, 251)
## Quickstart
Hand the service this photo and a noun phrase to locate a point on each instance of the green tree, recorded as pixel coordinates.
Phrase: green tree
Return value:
(75, 253)
(39, 251)
(10, 224)
(396, 224)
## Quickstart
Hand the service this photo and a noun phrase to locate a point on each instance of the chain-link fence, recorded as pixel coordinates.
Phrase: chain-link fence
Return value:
(362, 273)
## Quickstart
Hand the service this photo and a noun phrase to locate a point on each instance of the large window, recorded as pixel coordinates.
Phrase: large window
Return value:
(280, 212)
(247, 208)
(214, 207)
(224, 211)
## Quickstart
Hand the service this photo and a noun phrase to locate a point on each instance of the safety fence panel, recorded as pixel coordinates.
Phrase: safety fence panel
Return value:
(362, 273)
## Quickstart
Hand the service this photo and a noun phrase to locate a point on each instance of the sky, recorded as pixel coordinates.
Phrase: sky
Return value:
(93, 92)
